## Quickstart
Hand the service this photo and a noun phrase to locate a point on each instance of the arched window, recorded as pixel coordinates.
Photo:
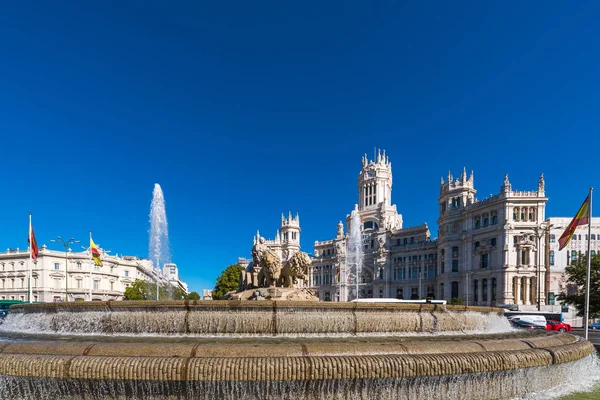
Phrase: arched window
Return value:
(593, 252)
(475, 290)
(552, 238)
(494, 288)
(593, 237)
(551, 257)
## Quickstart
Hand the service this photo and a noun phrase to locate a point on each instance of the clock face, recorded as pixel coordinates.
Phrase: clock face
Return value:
(371, 174)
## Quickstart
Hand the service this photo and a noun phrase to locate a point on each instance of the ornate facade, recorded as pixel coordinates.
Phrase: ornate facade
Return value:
(54, 270)
(486, 252)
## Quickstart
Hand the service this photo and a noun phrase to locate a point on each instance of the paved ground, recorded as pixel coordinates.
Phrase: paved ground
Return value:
(593, 336)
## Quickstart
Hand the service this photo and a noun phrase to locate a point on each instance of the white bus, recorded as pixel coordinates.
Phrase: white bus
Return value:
(378, 300)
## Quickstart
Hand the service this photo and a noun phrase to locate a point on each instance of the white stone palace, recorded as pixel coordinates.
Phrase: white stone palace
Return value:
(54, 270)
(487, 251)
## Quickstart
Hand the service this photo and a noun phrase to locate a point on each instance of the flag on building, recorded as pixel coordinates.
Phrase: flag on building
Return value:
(95, 252)
(581, 218)
(33, 247)
(337, 274)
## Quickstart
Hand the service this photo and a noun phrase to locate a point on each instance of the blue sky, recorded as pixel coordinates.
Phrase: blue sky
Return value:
(244, 110)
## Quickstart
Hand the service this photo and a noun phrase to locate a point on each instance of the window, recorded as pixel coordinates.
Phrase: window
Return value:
(454, 289)
(368, 225)
(493, 241)
(381, 293)
(56, 266)
(477, 223)
(397, 242)
(97, 285)
(112, 286)
(484, 294)
(454, 265)
(522, 216)
(494, 287)
(399, 294)
(412, 240)
(568, 258)
(476, 245)
(486, 221)
(523, 257)
(442, 294)
(573, 256)
(514, 216)
(551, 257)
(126, 273)
(484, 261)
(475, 290)
(455, 259)
(405, 240)
(442, 263)
(553, 238)
(78, 283)
(593, 252)
(494, 219)
(593, 237)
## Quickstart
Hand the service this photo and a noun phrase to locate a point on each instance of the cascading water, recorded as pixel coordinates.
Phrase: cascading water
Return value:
(159, 251)
(354, 251)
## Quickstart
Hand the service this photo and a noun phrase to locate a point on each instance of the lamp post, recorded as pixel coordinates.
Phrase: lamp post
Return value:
(540, 231)
(66, 245)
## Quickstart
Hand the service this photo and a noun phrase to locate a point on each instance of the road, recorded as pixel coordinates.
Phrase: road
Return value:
(593, 336)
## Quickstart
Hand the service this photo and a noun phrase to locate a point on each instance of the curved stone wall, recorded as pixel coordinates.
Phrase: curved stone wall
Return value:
(267, 318)
(262, 367)
(284, 364)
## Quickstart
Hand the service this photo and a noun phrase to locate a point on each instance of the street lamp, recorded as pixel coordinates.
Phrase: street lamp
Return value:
(66, 245)
(539, 232)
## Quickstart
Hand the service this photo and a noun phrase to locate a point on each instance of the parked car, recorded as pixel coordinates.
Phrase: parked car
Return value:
(595, 326)
(517, 323)
(557, 326)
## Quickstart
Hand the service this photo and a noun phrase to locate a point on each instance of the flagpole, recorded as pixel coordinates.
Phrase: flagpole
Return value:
(91, 266)
(589, 266)
(30, 290)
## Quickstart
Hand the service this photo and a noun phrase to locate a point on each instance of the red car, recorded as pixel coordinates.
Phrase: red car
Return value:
(557, 326)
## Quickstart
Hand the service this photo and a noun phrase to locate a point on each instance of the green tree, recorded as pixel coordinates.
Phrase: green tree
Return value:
(228, 280)
(576, 273)
(135, 291)
(192, 296)
(456, 301)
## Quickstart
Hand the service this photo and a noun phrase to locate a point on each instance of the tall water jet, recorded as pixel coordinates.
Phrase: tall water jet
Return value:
(158, 250)
(354, 251)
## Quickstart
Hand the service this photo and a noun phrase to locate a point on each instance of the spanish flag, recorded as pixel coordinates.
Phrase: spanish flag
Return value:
(581, 218)
(95, 252)
(337, 274)
(33, 247)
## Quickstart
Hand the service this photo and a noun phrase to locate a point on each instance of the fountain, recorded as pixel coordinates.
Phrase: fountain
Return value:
(158, 250)
(279, 349)
(354, 252)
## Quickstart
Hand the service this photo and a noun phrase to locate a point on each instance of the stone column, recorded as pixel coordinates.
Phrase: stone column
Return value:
(518, 299)
(527, 283)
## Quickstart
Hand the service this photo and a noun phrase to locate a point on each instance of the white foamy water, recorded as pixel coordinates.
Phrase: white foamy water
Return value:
(354, 254)
(159, 251)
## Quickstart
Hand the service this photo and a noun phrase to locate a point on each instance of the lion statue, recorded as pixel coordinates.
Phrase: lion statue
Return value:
(296, 268)
(270, 268)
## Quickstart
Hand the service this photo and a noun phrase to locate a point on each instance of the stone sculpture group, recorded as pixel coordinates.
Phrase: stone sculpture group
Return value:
(267, 271)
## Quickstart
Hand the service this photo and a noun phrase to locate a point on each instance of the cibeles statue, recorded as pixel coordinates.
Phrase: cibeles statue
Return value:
(266, 268)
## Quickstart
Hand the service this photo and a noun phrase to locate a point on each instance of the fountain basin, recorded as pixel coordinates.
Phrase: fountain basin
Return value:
(241, 318)
(350, 362)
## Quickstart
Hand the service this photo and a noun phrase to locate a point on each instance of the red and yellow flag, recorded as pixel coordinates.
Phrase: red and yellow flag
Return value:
(95, 253)
(33, 247)
(581, 218)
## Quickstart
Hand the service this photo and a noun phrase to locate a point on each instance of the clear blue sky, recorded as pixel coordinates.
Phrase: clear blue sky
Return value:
(244, 110)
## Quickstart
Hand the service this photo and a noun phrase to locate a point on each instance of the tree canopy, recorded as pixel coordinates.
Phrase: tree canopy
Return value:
(576, 273)
(228, 280)
(143, 290)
